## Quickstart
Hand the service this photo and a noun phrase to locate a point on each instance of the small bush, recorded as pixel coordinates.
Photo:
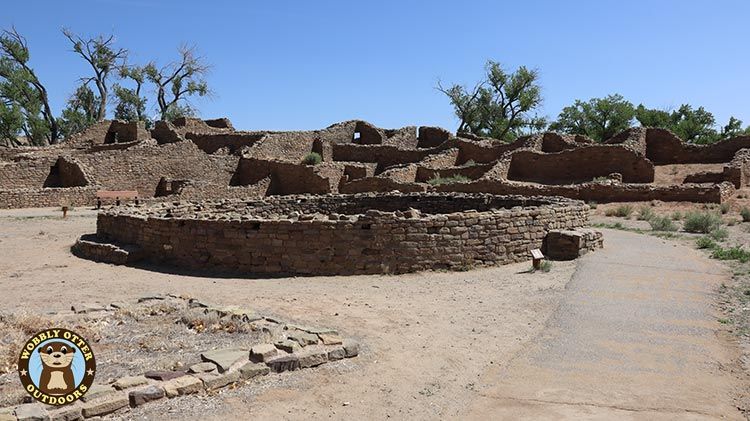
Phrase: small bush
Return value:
(719, 234)
(313, 158)
(592, 205)
(724, 208)
(676, 216)
(437, 181)
(645, 213)
(545, 267)
(623, 211)
(701, 222)
(745, 213)
(706, 243)
(662, 223)
(732, 253)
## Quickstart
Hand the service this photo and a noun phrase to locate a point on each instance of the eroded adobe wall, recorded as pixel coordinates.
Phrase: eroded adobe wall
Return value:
(392, 240)
(25, 173)
(66, 173)
(555, 142)
(141, 169)
(47, 197)
(287, 178)
(385, 156)
(663, 147)
(472, 172)
(231, 142)
(284, 146)
(580, 165)
(430, 137)
(602, 192)
(380, 184)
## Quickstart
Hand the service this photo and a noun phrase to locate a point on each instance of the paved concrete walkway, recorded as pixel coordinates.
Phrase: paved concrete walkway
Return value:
(636, 337)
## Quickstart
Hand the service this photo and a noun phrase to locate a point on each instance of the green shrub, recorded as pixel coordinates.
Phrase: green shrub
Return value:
(732, 253)
(662, 223)
(701, 222)
(745, 213)
(706, 243)
(592, 205)
(676, 216)
(458, 178)
(313, 158)
(623, 211)
(719, 234)
(545, 267)
(724, 208)
(645, 213)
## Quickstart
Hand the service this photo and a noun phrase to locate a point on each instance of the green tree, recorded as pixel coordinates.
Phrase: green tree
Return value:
(81, 112)
(103, 58)
(689, 124)
(178, 80)
(499, 106)
(650, 117)
(734, 128)
(131, 106)
(22, 91)
(11, 123)
(597, 118)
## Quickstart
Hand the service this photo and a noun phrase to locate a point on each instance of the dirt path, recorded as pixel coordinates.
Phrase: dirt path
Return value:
(636, 337)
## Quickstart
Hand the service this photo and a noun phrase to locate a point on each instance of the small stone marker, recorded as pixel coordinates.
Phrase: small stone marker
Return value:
(536, 258)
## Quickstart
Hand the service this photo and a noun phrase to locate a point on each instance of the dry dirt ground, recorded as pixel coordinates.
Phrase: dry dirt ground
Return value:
(426, 338)
(436, 345)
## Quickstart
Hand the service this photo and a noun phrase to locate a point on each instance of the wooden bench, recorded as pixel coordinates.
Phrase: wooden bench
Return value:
(115, 194)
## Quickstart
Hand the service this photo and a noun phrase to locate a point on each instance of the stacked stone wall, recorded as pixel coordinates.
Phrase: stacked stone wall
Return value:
(284, 237)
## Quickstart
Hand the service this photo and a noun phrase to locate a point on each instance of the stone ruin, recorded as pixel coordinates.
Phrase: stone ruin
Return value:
(193, 159)
(342, 234)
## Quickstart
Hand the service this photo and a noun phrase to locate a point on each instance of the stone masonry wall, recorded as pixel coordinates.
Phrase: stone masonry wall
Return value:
(579, 165)
(393, 240)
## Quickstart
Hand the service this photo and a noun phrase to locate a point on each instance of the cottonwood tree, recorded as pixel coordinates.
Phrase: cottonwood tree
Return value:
(597, 118)
(131, 106)
(99, 52)
(178, 80)
(81, 111)
(22, 93)
(500, 105)
(692, 125)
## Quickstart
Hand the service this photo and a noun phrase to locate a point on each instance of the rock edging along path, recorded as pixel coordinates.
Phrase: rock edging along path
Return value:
(636, 336)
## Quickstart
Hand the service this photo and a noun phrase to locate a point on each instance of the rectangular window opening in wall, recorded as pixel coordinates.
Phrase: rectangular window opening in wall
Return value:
(255, 226)
(366, 226)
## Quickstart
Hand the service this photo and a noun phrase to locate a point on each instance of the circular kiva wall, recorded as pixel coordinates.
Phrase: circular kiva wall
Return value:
(341, 234)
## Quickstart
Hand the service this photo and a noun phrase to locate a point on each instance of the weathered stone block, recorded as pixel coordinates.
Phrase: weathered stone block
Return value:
(145, 395)
(104, 405)
(184, 385)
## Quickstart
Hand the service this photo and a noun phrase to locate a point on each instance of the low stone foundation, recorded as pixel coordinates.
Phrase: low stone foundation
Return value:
(341, 234)
(571, 244)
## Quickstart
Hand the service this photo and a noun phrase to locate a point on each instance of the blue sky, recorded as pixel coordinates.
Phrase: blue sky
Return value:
(306, 64)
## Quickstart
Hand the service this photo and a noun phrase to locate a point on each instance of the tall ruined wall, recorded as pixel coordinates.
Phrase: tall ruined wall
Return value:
(31, 173)
(579, 165)
(286, 178)
(141, 168)
(232, 142)
(663, 147)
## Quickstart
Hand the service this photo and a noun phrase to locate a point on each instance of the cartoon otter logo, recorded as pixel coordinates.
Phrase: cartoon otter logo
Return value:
(57, 369)
(56, 366)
